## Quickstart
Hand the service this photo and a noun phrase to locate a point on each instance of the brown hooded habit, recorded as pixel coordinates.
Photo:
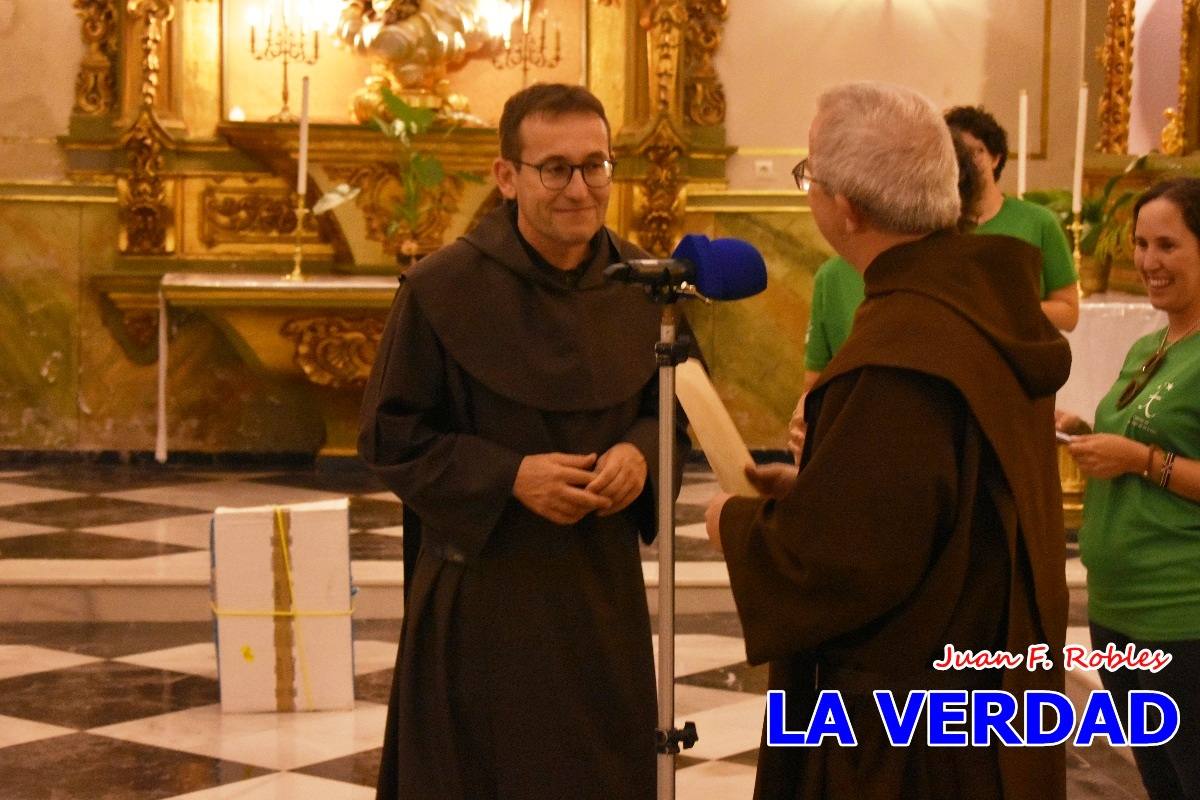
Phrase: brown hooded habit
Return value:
(525, 666)
(927, 511)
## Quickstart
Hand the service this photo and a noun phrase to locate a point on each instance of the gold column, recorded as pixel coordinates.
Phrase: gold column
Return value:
(1117, 60)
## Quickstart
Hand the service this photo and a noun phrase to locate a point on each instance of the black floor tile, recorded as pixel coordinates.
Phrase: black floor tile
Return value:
(102, 693)
(341, 481)
(102, 478)
(749, 758)
(367, 513)
(106, 639)
(689, 513)
(75, 544)
(360, 768)
(367, 546)
(686, 549)
(374, 687)
(91, 512)
(83, 766)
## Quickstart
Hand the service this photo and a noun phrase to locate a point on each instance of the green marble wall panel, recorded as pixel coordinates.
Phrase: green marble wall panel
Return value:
(755, 347)
(39, 334)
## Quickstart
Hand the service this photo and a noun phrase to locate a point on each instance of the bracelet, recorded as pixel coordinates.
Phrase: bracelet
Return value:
(1168, 463)
(1149, 461)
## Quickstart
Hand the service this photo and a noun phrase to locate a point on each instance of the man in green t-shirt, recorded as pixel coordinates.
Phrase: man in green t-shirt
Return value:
(1009, 216)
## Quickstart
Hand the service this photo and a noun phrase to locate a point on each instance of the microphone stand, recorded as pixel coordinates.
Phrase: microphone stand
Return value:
(669, 353)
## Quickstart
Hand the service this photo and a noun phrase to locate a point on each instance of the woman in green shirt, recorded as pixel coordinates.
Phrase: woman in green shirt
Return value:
(1140, 538)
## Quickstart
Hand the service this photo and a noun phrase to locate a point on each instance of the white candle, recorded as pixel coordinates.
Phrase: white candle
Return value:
(1080, 132)
(1022, 141)
(302, 170)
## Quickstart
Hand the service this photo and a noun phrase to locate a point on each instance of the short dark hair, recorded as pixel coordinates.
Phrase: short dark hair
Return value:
(969, 185)
(983, 126)
(547, 99)
(1184, 193)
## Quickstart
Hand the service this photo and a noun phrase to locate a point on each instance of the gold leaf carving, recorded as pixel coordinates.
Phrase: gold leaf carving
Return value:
(96, 83)
(1117, 59)
(665, 22)
(382, 190)
(250, 216)
(335, 351)
(705, 98)
(660, 197)
(147, 225)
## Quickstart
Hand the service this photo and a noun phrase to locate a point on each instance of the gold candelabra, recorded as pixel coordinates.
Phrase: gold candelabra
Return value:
(289, 43)
(1076, 228)
(529, 50)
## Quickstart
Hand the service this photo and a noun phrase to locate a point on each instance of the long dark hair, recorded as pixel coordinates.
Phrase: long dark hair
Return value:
(969, 184)
(1183, 192)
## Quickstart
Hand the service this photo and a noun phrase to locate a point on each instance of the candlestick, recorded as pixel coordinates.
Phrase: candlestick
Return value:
(1080, 134)
(302, 169)
(1022, 141)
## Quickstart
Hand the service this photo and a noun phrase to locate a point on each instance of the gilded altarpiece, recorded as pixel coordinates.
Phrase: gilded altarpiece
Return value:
(187, 189)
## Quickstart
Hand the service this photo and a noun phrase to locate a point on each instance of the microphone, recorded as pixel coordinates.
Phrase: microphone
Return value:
(719, 269)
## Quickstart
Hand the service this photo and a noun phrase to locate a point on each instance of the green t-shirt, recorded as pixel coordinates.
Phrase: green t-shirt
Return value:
(838, 290)
(838, 287)
(1038, 226)
(1140, 543)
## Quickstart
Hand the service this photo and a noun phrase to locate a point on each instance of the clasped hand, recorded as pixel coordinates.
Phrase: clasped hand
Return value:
(563, 487)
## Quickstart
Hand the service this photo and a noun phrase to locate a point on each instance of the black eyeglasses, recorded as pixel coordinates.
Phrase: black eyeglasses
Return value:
(803, 176)
(1142, 377)
(556, 173)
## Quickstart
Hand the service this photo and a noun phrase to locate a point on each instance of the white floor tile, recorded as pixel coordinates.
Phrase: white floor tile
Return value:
(387, 496)
(373, 656)
(189, 531)
(283, 786)
(191, 659)
(24, 659)
(715, 780)
(274, 741)
(694, 531)
(6, 474)
(14, 731)
(728, 730)
(234, 494)
(698, 494)
(395, 530)
(702, 652)
(10, 529)
(12, 494)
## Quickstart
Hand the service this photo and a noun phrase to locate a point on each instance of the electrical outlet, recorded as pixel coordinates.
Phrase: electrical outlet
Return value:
(764, 168)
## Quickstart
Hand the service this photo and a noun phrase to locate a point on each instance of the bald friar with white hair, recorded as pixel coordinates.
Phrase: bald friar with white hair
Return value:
(925, 511)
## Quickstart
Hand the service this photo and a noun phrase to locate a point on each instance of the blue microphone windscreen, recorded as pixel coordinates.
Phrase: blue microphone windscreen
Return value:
(726, 269)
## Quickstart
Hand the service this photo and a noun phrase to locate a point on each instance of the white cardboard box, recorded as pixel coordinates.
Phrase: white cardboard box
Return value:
(283, 613)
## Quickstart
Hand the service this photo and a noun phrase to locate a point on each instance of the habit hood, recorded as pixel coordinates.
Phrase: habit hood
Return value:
(527, 334)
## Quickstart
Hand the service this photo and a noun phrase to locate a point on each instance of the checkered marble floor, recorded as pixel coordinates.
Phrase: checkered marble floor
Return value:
(93, 710)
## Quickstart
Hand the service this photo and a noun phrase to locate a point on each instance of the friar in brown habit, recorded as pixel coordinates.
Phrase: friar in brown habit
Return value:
(513, 409)
(926, 509)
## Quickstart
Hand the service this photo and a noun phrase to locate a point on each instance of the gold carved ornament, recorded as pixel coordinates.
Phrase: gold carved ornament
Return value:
(705, 98)
(382, 189)
(249, 216)
(96, 83)
(147, 225)
(1177, 132)
(336, 352)
(660, 197)
(1116, 57)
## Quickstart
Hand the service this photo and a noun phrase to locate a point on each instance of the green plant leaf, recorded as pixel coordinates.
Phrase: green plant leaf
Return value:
(427, 170)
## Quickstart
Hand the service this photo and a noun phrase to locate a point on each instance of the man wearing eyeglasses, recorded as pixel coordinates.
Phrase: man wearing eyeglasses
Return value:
(925, 513)
(513, 409)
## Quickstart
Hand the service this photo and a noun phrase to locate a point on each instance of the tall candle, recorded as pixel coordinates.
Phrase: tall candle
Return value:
(1080, 132)
(1022, 141)
(302, 170)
